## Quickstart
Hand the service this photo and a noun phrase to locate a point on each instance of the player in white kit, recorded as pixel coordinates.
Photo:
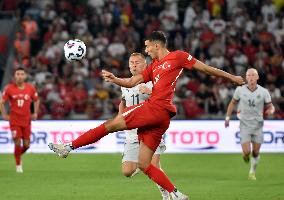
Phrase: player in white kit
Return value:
(130, 97)
(252, 100)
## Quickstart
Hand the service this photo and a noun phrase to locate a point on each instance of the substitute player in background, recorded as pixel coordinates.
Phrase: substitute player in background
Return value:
(20, 96)
(130, 97)
(253, 100)
(152, 117)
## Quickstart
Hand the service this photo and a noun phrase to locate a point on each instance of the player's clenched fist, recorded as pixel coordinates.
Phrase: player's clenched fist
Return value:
(108, 76)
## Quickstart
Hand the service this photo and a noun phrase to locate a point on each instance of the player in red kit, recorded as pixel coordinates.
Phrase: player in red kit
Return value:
(20, 96)
(152, 117)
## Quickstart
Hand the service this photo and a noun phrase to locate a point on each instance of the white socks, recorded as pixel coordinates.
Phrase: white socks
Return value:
(176, 194)
(253, 164)
(164, 192)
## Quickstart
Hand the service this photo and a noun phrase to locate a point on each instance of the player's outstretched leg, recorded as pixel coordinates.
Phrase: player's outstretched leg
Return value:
(89, 137)
(156, 162)
(156, 174)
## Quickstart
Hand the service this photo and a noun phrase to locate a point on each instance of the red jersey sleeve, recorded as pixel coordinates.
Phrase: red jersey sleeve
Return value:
(147, 73)
(5, 94)
(186, 60)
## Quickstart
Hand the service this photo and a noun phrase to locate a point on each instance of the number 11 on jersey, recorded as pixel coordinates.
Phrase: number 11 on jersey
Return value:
(133, 99)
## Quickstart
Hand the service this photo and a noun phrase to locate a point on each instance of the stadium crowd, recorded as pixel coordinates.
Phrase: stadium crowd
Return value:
(230, 35)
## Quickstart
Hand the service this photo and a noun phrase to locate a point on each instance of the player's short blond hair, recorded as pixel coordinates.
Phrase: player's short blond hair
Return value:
(253, 70)
(138, 54)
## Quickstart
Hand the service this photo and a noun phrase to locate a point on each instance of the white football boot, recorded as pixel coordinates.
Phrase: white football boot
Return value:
(177, 195)
(62, 150)
(19, 168)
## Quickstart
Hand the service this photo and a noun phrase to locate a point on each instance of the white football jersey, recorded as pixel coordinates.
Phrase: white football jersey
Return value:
(251, 104)
(132, 96)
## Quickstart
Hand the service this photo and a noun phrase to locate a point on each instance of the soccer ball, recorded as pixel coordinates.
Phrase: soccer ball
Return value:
(74, 50)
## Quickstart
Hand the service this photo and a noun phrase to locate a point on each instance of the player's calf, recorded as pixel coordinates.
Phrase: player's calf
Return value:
(246, 158)
(246, 155)
(128, 173)
(129, 169)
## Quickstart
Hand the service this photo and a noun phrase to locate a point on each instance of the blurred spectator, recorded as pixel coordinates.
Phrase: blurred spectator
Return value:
(215, 7)
(201, 96)
(218, 25)
(279, 32)
(80, 97)
(268, 8)
(218, 60)
(240, 61)
(34, 10)
(30, 26)
(169, 17)
(22, 45)
(116, 48)
(189, 15)
(79, 27)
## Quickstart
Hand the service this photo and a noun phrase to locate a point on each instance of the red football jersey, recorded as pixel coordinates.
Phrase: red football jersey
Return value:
(164, 74)
(20, 101)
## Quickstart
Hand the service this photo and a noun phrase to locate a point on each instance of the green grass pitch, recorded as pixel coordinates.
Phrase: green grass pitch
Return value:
(98, 177)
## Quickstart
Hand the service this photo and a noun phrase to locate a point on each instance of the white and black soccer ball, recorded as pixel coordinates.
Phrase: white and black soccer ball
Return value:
(74, 50)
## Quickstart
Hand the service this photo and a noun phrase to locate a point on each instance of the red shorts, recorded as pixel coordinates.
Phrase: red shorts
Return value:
(151, 121)
(21, 132)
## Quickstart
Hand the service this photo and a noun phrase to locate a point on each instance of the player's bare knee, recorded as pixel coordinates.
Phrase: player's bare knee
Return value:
(246, 152)
(143, 165)
(255, 153)
(17, 142)
(26, 146)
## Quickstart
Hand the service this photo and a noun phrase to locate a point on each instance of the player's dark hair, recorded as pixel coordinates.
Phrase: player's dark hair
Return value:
(20, 69)
(157, 36)
(138, 54)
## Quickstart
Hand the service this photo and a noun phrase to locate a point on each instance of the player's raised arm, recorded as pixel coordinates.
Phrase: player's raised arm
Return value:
(200, 66)
(124, 82)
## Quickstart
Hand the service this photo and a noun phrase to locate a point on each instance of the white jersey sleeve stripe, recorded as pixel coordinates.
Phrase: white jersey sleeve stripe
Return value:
(129, 111)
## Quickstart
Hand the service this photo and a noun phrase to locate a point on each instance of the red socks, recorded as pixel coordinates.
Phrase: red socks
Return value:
(17, 154)
(90, 136)
(18, 151)
(159, 177)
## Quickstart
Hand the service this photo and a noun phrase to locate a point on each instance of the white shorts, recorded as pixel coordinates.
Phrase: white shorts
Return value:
(251, 132)
(131, 151)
